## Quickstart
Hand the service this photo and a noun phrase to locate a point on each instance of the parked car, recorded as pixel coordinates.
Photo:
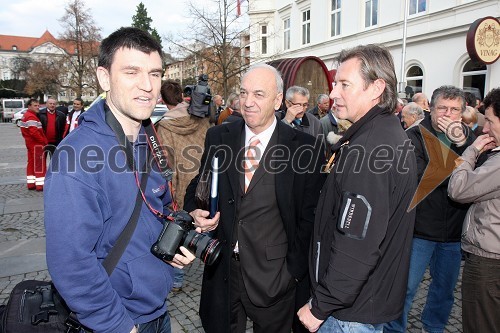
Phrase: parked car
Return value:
(18, 116)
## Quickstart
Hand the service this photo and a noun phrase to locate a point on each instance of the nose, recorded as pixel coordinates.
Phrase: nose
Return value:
(145, 82)
(334, 93)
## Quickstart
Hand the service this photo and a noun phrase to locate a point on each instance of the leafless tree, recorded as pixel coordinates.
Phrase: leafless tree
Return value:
(81, 38)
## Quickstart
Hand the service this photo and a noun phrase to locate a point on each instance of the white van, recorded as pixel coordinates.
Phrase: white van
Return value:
(11, 106)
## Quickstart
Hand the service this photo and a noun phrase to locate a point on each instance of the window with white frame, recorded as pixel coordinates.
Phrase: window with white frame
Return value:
(371, 13)
(335, 18)
(474, 78)
(263, 39)
(286, 34)
(306, 26)
(414, 81)
(417, 6)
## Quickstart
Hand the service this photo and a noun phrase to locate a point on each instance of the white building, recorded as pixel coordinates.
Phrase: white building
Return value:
(436, 52)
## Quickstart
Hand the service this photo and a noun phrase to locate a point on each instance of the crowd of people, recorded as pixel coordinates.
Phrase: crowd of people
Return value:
(328, 215)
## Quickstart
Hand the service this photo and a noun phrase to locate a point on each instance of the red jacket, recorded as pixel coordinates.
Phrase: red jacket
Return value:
(31, 129)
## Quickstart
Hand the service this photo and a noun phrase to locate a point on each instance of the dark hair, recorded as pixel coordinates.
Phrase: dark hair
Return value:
(129, 37)
(447, 92)
(171, 92)
(79, 100)
(470, 99)
(376, 63)
(493, 99)
(31, 101)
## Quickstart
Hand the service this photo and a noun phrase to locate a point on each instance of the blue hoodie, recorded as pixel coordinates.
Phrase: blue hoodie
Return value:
(89, 198)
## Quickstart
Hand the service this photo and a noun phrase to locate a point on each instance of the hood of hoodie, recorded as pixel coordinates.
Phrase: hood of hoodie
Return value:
(94, 118)
(179, 121)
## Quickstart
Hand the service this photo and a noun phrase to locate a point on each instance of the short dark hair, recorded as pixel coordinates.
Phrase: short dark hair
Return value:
(79, 100)
(447, 92)
(470, 99)
(171, 92)
(126, 37)
(376, 63)
(493, 99)
(32, 100)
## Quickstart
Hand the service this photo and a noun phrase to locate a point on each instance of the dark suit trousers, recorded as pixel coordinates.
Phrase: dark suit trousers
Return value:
(276, 318)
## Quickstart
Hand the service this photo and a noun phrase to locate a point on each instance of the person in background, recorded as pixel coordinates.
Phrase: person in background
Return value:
(476, 180)
(98, 201)
(422, 101)
(322, 106)
(360, 251)
(53, 124)
(34, 137)
(267, 196)
(229, 108)
(436, 238)
(470, 118)
(297, 101)
(183, 136)
(411, 115)
(471, 100)
(72, 119)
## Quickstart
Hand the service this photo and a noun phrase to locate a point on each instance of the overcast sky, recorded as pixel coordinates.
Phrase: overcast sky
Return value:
(32, 17)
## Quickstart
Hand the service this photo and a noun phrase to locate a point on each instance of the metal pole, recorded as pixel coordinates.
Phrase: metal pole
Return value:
(402, 82)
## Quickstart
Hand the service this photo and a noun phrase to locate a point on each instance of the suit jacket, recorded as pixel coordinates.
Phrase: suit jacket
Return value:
(60, 123)
(297, 192)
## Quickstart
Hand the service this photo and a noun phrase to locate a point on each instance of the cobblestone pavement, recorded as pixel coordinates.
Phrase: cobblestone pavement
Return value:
(183, 305)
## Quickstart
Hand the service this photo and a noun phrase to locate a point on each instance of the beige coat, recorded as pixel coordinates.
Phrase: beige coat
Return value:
(481, 187)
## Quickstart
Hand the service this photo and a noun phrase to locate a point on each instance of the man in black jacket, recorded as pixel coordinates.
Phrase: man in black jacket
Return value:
(268, 191)
(53, 124)
(439, 219)
(362, 231)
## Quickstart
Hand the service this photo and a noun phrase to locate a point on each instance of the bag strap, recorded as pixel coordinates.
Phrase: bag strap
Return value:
(111, 260)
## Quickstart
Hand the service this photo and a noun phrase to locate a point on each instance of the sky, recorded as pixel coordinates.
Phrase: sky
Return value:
(32, 17)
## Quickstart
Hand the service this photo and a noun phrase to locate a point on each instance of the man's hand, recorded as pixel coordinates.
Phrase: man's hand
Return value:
(292, 111)
(453, 129)
(308, 320)
(180, 260)
(484, 142)
(202, 221)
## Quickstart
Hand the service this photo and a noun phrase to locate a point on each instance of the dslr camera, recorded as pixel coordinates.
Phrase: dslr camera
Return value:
(201, 98)
(180, 232)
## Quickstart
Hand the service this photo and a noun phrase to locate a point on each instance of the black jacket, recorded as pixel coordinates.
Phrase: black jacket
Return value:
(439, 218)
(362, 231)
(60, 123)
(296, 195)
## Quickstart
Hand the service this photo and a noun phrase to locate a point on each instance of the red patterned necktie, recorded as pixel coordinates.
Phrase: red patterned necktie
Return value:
(251, 161)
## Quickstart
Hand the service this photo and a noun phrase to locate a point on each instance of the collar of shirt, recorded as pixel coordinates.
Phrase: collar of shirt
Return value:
(496, 149)
(263, 137)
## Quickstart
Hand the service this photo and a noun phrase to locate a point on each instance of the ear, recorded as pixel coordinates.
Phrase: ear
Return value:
(103, 78)
(378, 88)
(277, 101)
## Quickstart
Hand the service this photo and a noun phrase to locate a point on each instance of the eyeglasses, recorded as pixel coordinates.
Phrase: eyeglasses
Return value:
(304, 105)
(444, 109)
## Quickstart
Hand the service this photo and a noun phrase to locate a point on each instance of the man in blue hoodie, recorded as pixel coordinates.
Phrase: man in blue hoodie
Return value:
(91, 172)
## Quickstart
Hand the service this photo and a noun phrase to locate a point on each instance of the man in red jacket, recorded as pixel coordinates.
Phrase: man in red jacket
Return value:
(31, 129)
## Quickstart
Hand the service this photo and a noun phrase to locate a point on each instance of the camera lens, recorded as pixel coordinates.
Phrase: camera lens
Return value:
(204, 247)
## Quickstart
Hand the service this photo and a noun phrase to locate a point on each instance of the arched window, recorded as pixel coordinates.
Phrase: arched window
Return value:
(474, 78)
(414, 81)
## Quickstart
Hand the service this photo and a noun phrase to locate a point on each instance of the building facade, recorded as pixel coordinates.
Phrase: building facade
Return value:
(47, 46)
(436, 52)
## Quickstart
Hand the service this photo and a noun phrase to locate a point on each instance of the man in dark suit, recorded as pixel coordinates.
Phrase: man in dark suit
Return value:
(53, 124)
(269, 183)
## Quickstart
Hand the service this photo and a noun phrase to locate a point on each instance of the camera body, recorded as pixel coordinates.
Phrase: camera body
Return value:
(201, 98)
(180, 232)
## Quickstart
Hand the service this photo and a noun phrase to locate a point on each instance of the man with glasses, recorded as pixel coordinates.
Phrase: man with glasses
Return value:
(438, 223)
(297, 102)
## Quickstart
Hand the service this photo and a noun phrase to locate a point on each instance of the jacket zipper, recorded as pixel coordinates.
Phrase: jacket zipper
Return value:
(317, 260)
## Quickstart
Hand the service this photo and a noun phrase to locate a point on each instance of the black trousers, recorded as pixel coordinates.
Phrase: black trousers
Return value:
(277, 318)
(480, 294)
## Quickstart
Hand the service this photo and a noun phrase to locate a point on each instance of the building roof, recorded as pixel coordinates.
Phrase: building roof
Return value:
(26, 44)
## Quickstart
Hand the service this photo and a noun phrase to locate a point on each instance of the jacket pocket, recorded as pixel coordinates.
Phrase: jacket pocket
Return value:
(276, 251)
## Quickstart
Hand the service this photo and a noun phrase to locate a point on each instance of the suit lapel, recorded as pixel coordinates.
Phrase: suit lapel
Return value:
(284, 179)
(233, 139)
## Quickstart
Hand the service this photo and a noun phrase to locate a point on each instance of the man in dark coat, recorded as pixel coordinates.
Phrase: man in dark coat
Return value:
(269, 183)
(53, 124)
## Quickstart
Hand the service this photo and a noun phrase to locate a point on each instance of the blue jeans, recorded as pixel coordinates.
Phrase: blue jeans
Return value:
(178, 277)
(333, 325)
(158, 325)
(443, 260)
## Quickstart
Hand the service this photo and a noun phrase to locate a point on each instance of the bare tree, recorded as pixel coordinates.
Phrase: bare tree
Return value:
(81, 37)
(41, 77)
(215, 41)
